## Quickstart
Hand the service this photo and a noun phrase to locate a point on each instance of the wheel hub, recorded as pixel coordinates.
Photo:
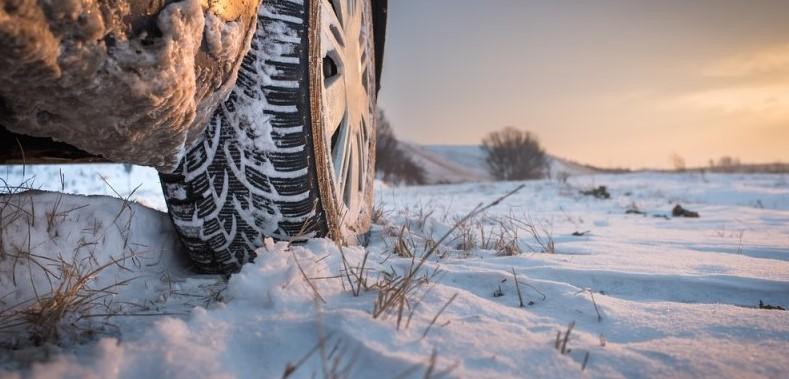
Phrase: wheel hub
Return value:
(347, 99)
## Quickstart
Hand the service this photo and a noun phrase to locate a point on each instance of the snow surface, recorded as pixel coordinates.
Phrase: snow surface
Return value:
(676, 297)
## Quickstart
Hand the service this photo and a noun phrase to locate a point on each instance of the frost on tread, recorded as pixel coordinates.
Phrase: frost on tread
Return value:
(249, 175)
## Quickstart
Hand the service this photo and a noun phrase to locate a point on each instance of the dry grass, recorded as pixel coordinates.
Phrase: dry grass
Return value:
(541, 235)
(505, 235)
(403, 247)
(508, 235)
(594, 302)
(377, 214)
(507, 241)
(69, 297)
(517, 287)
(399, 294)
(466, 236)
(396, 292)
(307, 279)
(562, 340)
(431, 371)
(438, 314)
(70, 300)
(337, 359)
(356, 276)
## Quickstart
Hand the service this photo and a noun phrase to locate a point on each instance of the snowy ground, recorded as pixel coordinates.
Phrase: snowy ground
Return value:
(650, 296)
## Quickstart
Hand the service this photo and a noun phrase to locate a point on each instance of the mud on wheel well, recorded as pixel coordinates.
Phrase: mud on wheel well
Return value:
(17, 148)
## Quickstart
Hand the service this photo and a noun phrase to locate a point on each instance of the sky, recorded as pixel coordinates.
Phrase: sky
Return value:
(614, 83)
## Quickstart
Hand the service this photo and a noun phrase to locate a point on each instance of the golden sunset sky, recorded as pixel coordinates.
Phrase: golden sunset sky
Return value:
(622, 83)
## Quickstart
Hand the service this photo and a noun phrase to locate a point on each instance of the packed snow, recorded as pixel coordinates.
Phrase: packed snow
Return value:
(647, 294)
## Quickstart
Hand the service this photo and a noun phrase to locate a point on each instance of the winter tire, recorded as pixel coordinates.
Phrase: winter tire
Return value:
(290, 153)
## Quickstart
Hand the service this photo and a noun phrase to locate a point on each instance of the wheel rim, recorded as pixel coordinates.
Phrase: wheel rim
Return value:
(347, 101)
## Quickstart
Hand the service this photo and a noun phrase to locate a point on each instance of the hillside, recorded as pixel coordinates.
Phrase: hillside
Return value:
(466, 163)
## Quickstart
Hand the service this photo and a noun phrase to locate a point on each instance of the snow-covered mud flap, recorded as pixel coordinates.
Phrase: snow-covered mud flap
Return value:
(290, 153)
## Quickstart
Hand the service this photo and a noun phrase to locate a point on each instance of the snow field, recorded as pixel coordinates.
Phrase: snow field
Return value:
(648, 296)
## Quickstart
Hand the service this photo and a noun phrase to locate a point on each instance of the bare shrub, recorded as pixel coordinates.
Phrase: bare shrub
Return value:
(514, 154)
(678, 162)
(727, 164)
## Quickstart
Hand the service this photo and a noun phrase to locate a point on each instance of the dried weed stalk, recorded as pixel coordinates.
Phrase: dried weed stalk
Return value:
(395, 291)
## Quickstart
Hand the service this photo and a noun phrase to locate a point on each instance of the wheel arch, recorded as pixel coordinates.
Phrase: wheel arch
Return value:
(380, 14)
(17, 148)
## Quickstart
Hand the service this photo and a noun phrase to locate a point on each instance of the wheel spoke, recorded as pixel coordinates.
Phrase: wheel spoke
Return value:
(332, 36)
(340, 8)
(362, 159)
(339, 149)
(334, 103)
(348, 172)
(351, 14)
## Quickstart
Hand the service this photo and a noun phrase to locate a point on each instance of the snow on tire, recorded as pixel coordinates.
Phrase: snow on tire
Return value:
(254, 173)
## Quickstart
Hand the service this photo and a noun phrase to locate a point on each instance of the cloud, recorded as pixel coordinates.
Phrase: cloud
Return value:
(769, 102)
(772, 60)
(753, 86)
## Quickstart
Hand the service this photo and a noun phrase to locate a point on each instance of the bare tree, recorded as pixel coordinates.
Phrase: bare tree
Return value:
(391, 164)
(678, 162)
(514, 154)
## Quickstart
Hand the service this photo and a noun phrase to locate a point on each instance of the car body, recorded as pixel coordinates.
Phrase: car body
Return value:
(132, 81)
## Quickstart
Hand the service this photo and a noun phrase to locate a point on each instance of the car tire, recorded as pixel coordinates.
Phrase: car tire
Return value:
(275, 160)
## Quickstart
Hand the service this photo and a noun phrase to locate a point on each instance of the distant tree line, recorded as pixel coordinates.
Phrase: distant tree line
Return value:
(392, 165)
(725, 164)
(729, 164)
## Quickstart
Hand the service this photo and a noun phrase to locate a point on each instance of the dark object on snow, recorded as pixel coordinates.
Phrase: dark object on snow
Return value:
(600, 192)
(771, 307)
(635, 211)
(678, 211)
(662, 216)
(580, 234)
